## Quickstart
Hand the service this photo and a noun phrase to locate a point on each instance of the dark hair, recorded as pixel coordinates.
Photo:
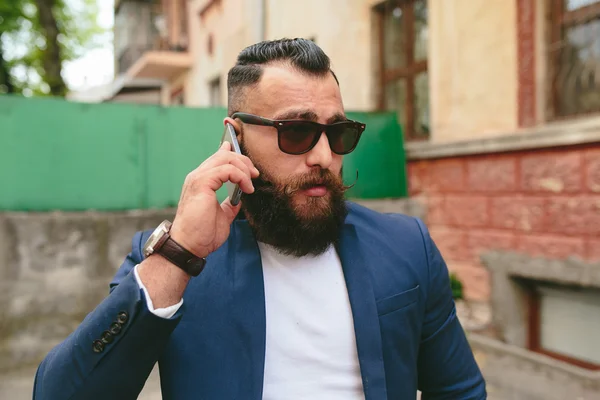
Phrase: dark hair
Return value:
(302, 54)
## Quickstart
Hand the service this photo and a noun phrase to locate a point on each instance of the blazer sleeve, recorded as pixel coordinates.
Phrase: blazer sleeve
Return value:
(84, 366)
(446, 365)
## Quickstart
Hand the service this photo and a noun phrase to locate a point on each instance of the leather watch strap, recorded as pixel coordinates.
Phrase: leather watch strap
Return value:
(187, 261)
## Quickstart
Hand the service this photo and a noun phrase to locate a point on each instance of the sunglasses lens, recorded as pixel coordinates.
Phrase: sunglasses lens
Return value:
(296, 138)
(343, 137)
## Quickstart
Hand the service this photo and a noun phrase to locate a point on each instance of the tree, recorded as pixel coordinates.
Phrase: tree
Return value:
(51, 59)
(10, 13)
(38, 36)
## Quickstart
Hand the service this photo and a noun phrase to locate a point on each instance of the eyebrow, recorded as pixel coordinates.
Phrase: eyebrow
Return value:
(309, 115)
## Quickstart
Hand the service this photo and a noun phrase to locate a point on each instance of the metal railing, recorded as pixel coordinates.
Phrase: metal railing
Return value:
(132, 53)
(140, 27)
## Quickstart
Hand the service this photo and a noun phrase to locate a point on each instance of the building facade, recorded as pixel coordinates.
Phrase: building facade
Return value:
(499, 101)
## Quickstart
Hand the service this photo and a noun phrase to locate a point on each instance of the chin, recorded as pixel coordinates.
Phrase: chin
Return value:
(311, 207)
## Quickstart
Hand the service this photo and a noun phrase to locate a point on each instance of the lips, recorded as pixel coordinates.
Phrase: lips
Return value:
(316, 191)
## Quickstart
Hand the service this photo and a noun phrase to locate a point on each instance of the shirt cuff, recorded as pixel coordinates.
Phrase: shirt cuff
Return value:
(166, 312)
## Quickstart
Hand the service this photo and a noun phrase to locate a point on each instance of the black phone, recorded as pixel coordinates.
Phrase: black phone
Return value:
(233, 189)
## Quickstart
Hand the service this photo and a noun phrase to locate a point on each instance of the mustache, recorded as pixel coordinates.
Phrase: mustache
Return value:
(322, 177)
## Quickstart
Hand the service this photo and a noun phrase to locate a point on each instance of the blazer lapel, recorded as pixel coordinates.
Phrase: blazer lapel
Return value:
(364, 311)
(250, 319)
(248, 308)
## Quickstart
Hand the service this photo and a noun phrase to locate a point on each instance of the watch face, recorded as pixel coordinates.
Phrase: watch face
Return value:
(158, 237)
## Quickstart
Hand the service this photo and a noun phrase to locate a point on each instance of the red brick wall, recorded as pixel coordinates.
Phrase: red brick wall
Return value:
(542, 202)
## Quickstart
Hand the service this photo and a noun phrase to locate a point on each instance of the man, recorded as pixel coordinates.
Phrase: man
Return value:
(307, 297)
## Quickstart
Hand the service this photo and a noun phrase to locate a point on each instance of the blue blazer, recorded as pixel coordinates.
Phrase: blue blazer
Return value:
(407, 333)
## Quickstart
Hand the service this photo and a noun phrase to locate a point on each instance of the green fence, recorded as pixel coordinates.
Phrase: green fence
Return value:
(60, 155)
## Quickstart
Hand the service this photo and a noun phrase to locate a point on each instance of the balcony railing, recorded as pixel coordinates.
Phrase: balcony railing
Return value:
(145, 45)
(132, 53)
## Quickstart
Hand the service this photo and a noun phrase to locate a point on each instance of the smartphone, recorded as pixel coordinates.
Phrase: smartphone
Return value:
(233, 189)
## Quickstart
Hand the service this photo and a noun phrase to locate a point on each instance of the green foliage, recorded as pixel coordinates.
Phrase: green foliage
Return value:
(457, 287)
(24, 40)
(10, 12)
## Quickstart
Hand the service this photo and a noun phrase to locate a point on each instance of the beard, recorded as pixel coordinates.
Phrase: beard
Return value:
(295, 229)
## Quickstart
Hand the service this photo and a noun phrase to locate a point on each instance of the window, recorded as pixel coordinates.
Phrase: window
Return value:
(575, 57)
(214, 91)
(177, 97)
(404, 83)
(565, 324)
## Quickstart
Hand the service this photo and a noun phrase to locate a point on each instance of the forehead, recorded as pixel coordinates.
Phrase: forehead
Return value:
(283, 88)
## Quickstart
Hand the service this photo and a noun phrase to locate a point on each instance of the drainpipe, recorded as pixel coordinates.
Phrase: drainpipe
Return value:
(262, 20)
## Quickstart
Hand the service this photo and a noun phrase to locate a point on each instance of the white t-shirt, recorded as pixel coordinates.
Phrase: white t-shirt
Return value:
(310, 342)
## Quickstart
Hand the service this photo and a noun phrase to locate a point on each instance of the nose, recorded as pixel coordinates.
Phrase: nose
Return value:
(320, 154)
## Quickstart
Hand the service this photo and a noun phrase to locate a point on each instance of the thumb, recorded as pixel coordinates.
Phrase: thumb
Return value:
(230, 210)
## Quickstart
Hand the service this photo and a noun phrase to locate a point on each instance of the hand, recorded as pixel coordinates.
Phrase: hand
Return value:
(201, 224)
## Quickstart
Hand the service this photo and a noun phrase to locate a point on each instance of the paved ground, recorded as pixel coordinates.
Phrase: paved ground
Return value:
(19, 386)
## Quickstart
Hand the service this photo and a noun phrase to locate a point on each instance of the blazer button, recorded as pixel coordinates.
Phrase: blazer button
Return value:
(115, 328)
(122, 317)
(98, 346)
(106, 337)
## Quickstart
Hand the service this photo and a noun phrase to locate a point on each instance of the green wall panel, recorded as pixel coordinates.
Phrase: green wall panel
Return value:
(379, 158)
(61, 155)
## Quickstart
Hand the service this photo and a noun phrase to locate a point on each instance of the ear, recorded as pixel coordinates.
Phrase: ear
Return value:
(236, 126)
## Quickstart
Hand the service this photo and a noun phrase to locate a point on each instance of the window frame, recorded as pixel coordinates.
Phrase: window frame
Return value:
(409, 72)
(534, 334)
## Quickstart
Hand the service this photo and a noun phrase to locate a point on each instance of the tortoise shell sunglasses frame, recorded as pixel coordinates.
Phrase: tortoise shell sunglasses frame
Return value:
(297, 137)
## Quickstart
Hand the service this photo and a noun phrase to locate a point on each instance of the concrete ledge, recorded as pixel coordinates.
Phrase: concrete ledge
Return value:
(517, 374)
(571, 271)
(408, 206)
(511, 275)
(557, 134)
(55, 268)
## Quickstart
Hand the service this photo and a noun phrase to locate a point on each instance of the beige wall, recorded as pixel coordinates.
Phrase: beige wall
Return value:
(472, 68)
(145, 97)
(343, 29)
(182, 80)
(235, 24)
(231, 32)
(472, 55)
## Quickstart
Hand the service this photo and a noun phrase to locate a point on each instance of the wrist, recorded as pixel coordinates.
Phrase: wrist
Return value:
(157, 262)
(162, 243)
(180, 238)
(165, 283)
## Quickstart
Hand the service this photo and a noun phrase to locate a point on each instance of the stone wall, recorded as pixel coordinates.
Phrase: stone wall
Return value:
(56, 267)
(540, 202)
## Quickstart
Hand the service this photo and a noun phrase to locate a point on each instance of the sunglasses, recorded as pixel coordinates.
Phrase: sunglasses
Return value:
(300, 136)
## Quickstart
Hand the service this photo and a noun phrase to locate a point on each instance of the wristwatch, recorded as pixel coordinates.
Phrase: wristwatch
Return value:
(160, 242)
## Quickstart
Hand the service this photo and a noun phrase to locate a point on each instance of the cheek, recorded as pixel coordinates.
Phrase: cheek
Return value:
(285, 166)
(336, 164)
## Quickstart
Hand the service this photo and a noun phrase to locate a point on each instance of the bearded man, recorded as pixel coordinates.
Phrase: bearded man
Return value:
(301, 295)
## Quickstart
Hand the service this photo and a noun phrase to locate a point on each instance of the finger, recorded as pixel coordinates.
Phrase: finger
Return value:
(230, 157)
(253, 170)
(224, 159)
(230, 210)
(246, 160)
(230, 173)
(225, 146)
(241, 165)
